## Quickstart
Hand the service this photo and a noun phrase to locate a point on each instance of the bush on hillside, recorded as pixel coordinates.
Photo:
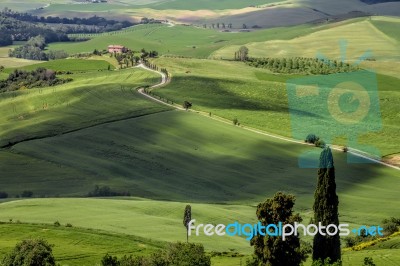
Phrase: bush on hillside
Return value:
(320, 143)
(311, 138)
(3, 195)
(30, 252)
(106, 191)
(175, 254)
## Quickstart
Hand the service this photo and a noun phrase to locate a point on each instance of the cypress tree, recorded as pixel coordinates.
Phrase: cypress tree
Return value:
(326, 209)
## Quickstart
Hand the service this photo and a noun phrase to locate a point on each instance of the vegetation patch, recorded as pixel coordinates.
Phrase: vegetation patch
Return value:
(21, 79)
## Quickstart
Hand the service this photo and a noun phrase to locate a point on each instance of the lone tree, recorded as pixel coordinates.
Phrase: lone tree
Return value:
(32, 252)
(272, 250)
(187, 105)
(326, 209)
(187, 217)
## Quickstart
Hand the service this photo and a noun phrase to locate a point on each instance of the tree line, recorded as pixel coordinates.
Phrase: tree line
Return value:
(16, 26)
(301, 65)
(22, 79)
(34, 50)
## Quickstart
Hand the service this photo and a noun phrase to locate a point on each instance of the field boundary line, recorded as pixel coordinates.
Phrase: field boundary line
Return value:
(165, 80)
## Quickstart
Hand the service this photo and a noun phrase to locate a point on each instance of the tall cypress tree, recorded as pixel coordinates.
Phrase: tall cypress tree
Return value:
(326, 209)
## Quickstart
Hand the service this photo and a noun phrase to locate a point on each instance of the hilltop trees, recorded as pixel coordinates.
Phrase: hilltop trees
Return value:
(242, 54)
(326, 209)
(272, 250)
(187, 217)
(33, 252)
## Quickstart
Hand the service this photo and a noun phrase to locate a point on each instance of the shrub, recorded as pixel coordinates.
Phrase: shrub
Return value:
(326, 262)
(368, 261)
(57, 224)
(311, 138)
(109, 260)
(345, 149)
(68, 225)
(389, 228)
(3, 195)
(27, 194)
(30, 252)
(235, 121)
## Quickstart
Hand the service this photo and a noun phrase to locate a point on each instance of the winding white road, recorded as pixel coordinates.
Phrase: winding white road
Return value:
(164, 81)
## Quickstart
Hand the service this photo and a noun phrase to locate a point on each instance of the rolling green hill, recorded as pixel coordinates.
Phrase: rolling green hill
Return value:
(360, 35)
(178, 40)
(258, 98)
(77, 246)
(92, 98)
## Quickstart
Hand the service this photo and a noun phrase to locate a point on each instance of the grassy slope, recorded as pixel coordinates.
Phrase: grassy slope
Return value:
(208, 4)
(76, 246)
(185, 157)
(259, 99)
(92, 98)
(137, 227)
(153, 220)
(13, 62)
(360, 35)
(74, 65)
(179, 40)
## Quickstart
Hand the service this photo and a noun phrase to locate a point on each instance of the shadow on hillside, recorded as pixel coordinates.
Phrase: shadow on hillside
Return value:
(178, 156)
(217, 93)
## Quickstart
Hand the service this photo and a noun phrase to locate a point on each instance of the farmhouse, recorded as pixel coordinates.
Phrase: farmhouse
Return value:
(117, 49)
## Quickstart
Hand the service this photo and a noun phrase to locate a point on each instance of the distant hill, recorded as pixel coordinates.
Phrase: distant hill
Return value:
(371, 2)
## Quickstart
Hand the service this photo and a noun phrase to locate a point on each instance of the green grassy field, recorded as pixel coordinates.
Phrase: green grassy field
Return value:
(360, 35)
(77, 246)
(258, 98)
(73, 65)
(208, 4)
(60, 142)
(92, 98)
(138, 227)
(179, 156)
(179, 40)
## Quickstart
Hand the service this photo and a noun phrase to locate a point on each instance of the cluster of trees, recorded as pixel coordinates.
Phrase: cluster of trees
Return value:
(242, 54)
(150, 21)
(30, 252)
(174, 254)
(34, 50)
(131, 57)
(314, 139)
(106, 191)
(273, 251)
(21, 79)
(300, 65)
(24, 25)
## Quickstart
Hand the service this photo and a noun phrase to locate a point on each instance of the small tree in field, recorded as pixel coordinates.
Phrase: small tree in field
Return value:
(187, 105)
(187, 217)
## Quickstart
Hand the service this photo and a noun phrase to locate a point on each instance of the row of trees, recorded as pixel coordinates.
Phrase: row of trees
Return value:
(34, 50)
(21, 79)
(273, 251)
(300, 65)
(16, 26)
